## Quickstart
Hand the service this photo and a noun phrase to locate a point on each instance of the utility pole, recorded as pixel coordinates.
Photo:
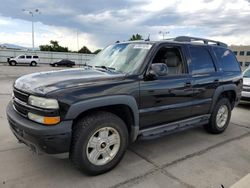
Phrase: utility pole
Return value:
(163, 34)
(77, 37)
(32, 12)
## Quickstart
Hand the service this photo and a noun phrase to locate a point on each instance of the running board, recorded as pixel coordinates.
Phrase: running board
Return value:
(173, 127)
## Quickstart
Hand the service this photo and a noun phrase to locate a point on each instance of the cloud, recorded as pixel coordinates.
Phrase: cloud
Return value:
(100, 22)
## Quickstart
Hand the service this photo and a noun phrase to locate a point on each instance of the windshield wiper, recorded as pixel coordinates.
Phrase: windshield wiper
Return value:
(106, 68)
(87, 65)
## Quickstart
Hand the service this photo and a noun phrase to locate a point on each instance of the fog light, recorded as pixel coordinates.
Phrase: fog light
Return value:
(44, 120)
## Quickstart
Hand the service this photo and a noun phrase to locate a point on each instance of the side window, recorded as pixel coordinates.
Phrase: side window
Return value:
(21, 57)
(28, 57)
(35, 56)
(171, 56)
(201, 61)
(227, 59)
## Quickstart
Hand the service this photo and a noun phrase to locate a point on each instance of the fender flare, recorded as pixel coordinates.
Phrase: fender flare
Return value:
(77, 108)
(219, 90)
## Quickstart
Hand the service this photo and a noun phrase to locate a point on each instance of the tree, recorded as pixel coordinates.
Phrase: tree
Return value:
(97, 51)
(136, 37)
(84, 50)
(54, 47)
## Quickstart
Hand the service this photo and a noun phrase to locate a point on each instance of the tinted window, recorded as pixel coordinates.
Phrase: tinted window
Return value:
(35, 56)
(28, 57)
(248, 53)
(227, 59)
(242, 52)
(201, 61)
(21, 57)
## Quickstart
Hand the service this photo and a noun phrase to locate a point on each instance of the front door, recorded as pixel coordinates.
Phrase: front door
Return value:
(166, 98)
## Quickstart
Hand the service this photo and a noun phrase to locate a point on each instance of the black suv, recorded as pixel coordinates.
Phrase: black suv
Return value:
(130, 90)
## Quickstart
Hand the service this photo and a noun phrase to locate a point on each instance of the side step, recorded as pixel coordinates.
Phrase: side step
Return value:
(173, 127)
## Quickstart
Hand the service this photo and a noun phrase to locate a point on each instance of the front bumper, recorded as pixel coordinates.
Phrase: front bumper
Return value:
(40, 138)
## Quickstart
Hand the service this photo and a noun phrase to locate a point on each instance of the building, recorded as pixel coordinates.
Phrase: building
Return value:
(243, 54)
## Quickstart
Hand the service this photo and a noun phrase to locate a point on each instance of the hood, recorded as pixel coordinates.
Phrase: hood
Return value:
(45, 82)
(246, 81)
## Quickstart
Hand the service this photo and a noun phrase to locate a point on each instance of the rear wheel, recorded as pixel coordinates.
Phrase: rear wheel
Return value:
(220, 117)
(99, 142)
(33, 63)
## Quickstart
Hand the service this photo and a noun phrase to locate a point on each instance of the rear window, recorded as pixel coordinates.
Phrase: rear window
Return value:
(35, 56)
(228, 60)
(201, 61)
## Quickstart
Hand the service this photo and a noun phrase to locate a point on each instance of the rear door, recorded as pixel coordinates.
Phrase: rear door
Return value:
(28, 59)
(205, 77)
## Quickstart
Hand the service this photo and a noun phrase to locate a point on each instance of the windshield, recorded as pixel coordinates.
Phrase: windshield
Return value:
(123, 57)
(246, 74)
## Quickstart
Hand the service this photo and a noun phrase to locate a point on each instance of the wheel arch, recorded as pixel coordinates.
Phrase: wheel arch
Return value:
(123, 106)
(229, 91)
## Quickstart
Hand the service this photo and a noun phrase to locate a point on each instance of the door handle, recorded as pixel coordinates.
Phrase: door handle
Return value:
(188, 84)
(216, 81)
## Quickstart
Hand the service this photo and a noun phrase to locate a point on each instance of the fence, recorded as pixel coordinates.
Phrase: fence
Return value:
(47, 57)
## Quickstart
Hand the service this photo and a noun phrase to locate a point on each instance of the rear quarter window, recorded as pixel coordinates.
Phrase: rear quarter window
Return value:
(227, 60)
(35, 56)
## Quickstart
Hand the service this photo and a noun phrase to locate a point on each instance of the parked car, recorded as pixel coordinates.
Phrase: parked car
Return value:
(31, 60)
(130, 90)
(246, 85)
(63, 62)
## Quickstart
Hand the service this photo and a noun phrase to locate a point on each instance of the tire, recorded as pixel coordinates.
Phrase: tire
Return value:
(33, 64)
(55, 65)
(218, 126)
(12, 63)
(107, 156)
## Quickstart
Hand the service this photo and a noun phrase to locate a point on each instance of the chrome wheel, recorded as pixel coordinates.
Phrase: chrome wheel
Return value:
(103, 146)
(222, 116)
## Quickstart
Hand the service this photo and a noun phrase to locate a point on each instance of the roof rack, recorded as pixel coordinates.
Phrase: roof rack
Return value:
(194, 39)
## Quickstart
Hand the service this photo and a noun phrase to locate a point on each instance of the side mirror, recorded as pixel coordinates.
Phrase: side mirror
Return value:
(158, 69)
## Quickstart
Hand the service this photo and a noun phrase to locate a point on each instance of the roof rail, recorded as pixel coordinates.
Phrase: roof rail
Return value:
(194, 39)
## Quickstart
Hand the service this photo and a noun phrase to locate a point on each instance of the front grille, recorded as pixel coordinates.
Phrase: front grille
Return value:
(20, 108)
(21, 95)
(20, 99)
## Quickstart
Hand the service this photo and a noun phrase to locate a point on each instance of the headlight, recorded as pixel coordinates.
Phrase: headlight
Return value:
(43, 102)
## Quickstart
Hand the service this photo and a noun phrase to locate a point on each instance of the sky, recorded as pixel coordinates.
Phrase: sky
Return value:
(102, 22)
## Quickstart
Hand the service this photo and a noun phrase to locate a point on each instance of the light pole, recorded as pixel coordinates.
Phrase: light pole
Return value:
(163, 33)
(32, 12)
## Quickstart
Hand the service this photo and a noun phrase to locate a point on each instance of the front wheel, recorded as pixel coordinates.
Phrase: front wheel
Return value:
(12, 63)
(220, 117)
(99, 142)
